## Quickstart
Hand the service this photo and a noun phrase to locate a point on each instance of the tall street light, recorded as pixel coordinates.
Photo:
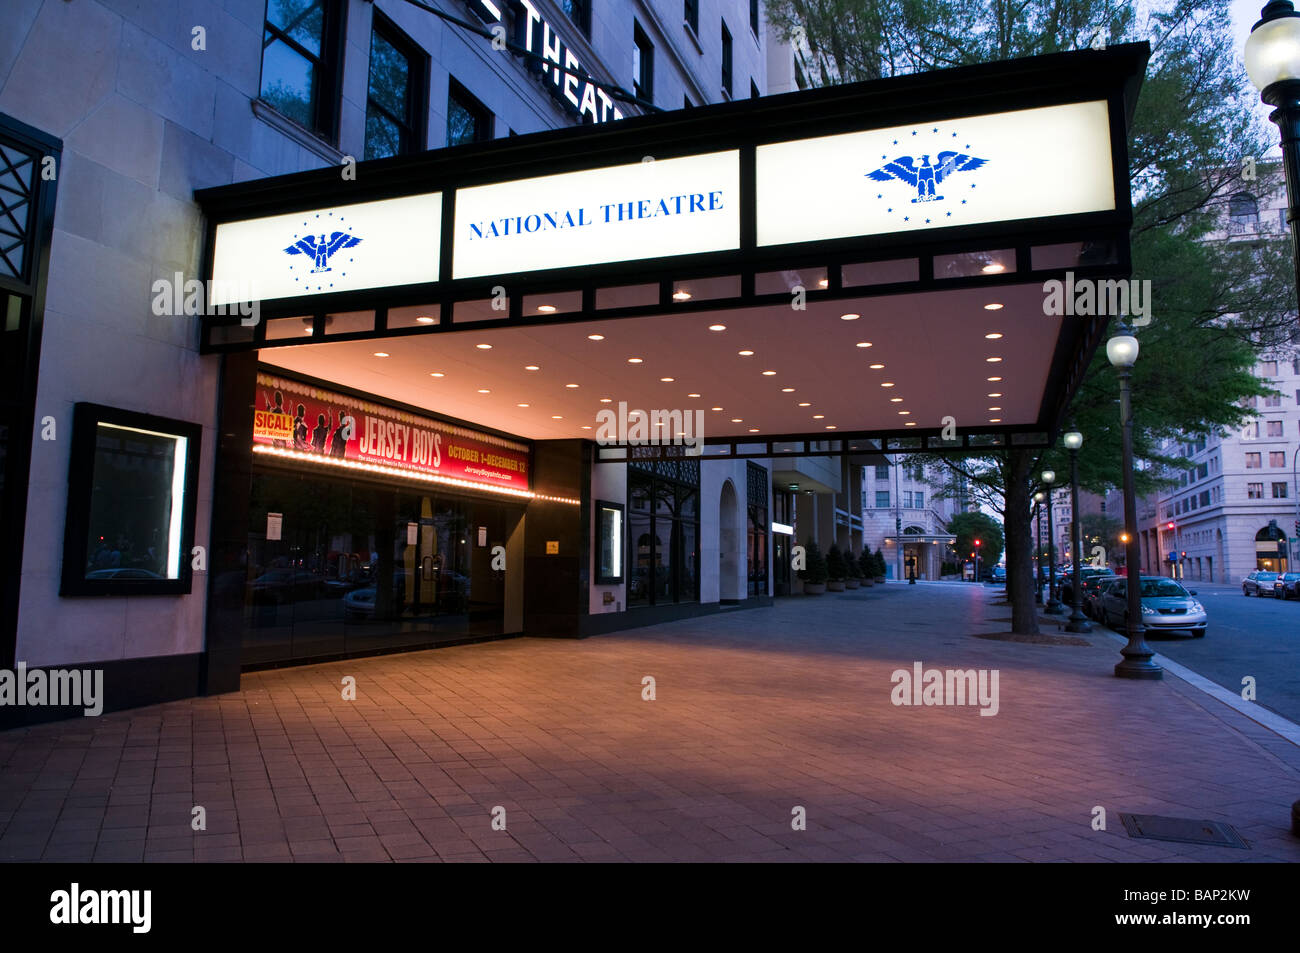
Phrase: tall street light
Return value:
(1078, 621)
(1038, 552)
(1122, 352)
(1273, 63)
(1054, 606)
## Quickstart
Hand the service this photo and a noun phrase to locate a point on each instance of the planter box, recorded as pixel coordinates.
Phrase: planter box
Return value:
(852, 583)
(814, 588)
(835, 586)
(880, 579)
(868, 582)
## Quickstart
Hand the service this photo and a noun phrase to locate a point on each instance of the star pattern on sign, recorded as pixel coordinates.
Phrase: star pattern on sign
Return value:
(321, 223)
(932, 168)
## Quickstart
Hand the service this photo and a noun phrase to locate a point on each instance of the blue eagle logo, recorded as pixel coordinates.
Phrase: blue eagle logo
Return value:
(926, 177)
(320, 249)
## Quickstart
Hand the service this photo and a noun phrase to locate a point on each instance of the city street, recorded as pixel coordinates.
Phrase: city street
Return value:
(1246, 636)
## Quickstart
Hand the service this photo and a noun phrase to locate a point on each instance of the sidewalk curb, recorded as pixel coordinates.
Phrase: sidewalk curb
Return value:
(1274, 722)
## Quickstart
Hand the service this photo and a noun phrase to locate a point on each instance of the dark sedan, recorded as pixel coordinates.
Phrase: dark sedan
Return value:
(1258, 583)
(1287, 586)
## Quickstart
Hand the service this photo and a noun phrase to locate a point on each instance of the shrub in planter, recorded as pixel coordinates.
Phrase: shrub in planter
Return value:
(852, 575)
(814, 573)
(879, 559)
(835, 569)
(866, 567)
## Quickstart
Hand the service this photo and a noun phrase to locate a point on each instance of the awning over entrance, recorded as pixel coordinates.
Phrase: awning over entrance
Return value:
(861, 268)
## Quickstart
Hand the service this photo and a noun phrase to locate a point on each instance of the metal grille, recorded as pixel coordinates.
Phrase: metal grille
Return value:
(17, 191)
(756, 477)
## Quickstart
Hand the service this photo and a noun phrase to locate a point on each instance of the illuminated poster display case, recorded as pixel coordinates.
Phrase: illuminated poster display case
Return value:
(132, 482)
(610, 550)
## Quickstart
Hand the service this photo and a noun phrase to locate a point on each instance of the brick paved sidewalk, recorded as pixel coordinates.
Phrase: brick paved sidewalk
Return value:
(756, 712)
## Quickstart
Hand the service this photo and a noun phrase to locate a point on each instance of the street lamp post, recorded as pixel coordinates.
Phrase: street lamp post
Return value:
(976, 554)
(1078, 621)
(1054, 606)
(1122, 352)
(1038, 551)
(1273, 64)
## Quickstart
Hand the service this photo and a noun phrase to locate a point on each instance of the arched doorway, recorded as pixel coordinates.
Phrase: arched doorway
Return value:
(729, 544)
(1270, 548)
(916, 556)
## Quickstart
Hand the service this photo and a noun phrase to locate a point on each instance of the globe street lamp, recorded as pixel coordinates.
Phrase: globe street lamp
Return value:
(1122, 352)
(1078, 621)
(1054, 606)
(1273, 63)
(1038, 552)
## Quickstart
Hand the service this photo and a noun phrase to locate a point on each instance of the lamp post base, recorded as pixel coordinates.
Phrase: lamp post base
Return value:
(1137, 661)
(1054, 607)
(1078, 622)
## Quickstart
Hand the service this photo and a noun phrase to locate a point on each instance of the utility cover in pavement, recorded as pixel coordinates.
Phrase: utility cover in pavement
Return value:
(1183, 830)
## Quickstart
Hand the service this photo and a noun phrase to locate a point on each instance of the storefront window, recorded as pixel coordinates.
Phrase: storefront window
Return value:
(664, 539)
(131, 493)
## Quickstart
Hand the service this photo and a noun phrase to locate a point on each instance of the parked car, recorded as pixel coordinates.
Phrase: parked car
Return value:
(1166, 606)
(1092, 586)
(1085, 573)
(1258, 583)
(999, 573)
(284, 586)
(1287, 586)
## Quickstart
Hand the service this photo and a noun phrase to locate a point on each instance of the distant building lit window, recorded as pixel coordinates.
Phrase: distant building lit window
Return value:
(1274, 428)
(1252, 461)
(1279, 491)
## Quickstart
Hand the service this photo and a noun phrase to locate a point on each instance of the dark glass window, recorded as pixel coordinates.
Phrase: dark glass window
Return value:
(301, 53)
(663, 540)
(757, 550)
(691, 14)
(753, 90)
(753, 16)
(468, 120)
(579, 11)
(726, 58)
(643, 64)
(395, 99)
(1243, 208)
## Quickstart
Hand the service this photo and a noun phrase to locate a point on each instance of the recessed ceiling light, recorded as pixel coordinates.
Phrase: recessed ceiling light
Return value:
(769, 373)
(753, 430)
(819, 416)
(586, 426)
(850, 316)
(692, 395)
(995, 420)
(910, 423)
(667, 380)
(993, 268)
(993, 378)
(521, 405)
(571, 386)
(787, 390)
(995, 408)
(904, 413)
(831, 427)
(381, 354)
(995, 335)
(895, 400)
(606, 400)
(737, 420)
(595, 337)
(805, 404)
(996, 394)
(437, 374)
(484, 347)
(823, 283)
(716, 408)
(634, 360)
(994, 306)
(681, 295)
(531, 367)
(484, 390)
(992, 360)
(877, 367)
(717, 327)
(546, 308)
(556, 417)
(887, 384)
(864, 344)
(425, 319)
(745, 353)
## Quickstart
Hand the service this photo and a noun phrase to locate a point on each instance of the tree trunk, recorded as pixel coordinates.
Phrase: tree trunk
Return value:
(1020, 568)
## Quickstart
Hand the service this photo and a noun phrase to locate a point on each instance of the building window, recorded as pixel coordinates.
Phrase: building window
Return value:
(756, 547)
(691, 14)
(1279, 491)
(1273, 400)
(301, 52)
(1252, 461)
(643, 64)
(920, 500)
(663, 536)
(468, 120)
(1277, 458)
(1273, 428)
(726, 59)
(1205, 498)
(579, 11)
(132, 485)
(1254, 491)
(1243, 209)
(882, 472)
(1250, 431)
(882, 499)
(395, 100)
(753, 17)
(1268, 369)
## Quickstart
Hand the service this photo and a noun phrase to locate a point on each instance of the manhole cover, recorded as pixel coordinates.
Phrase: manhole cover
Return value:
(1183, 830)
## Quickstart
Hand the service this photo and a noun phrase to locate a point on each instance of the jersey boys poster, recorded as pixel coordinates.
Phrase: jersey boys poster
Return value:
(290, 415)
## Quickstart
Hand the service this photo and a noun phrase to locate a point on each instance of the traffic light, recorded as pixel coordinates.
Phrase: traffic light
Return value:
(1171, 524)
(977, 544)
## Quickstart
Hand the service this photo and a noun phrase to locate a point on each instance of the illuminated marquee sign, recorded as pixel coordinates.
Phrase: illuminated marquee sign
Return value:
(308, 421)
(621, 213)
(1031, 163)
(535, 34)
(345, 248)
